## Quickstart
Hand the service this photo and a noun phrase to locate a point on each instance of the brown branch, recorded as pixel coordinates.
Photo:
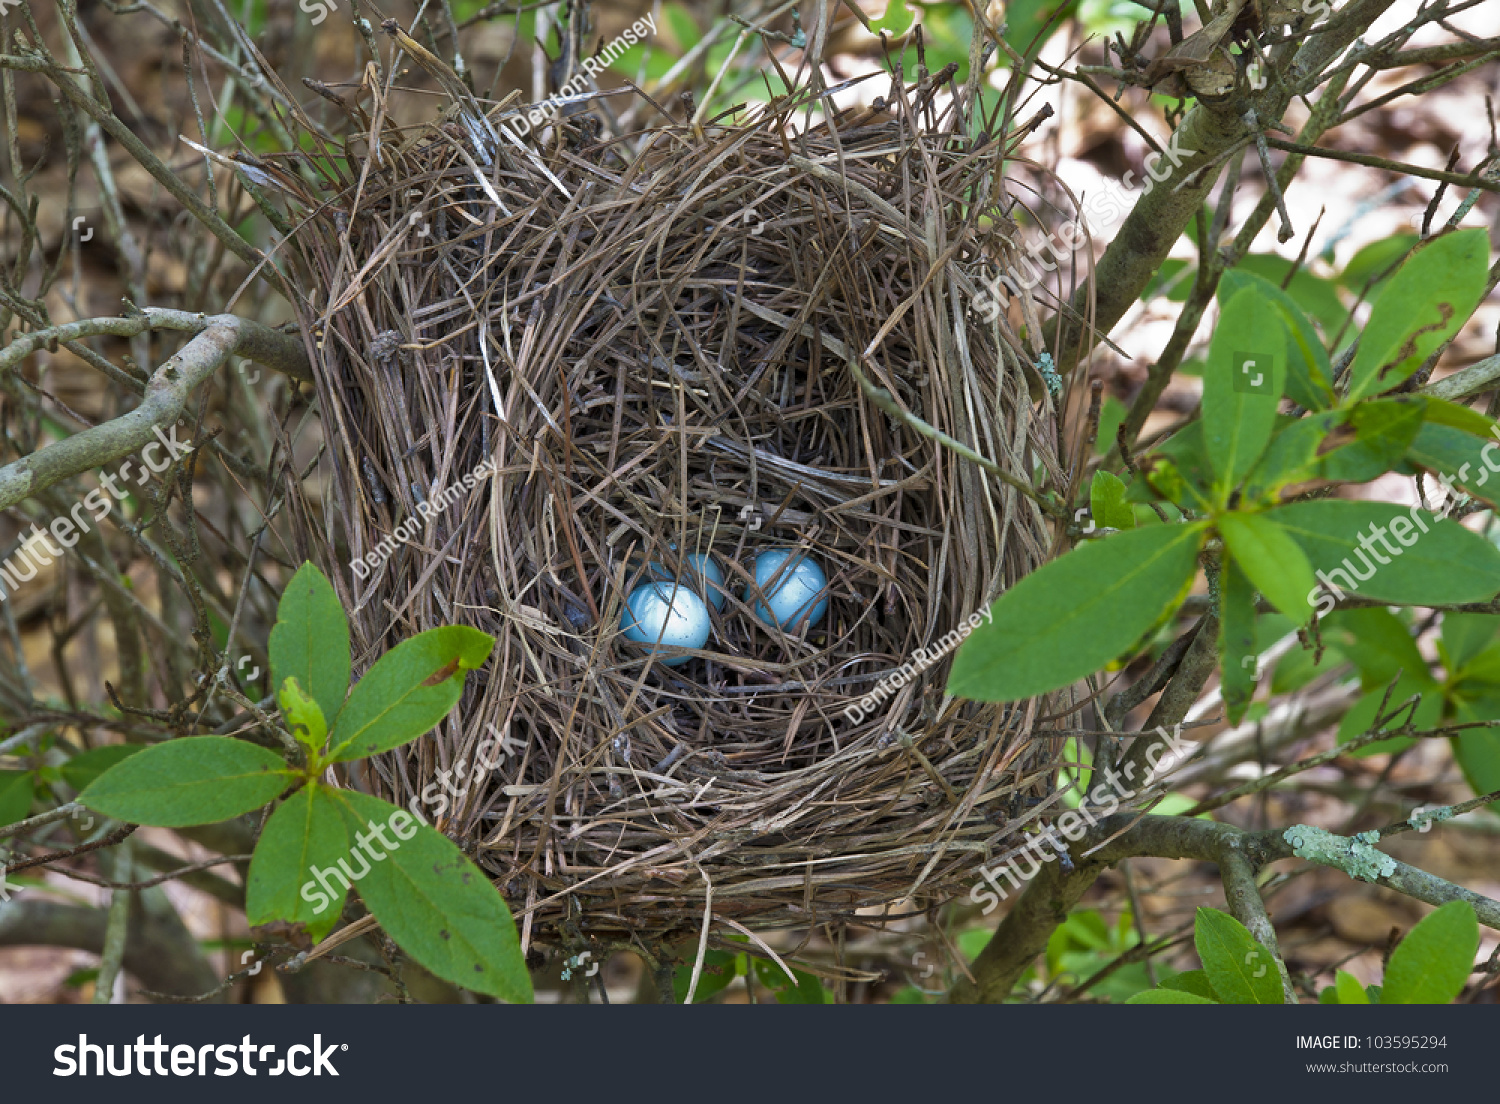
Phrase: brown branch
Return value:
(159, 952)
(1242, 896)
(110, 840)
(1463, 180)
(166, 397)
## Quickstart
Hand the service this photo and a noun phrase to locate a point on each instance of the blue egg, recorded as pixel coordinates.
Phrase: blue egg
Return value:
(667, 614)
(703, 572)
(793, 597)
(707, 578)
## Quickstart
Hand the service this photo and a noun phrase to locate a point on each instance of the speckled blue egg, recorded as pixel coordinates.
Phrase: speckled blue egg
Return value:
(665, 613)
(793, 597)
(707, 578)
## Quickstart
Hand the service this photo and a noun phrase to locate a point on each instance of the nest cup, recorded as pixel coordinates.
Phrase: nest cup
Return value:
(656, 346)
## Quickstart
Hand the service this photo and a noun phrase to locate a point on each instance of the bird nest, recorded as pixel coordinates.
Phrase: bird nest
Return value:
(713, 339)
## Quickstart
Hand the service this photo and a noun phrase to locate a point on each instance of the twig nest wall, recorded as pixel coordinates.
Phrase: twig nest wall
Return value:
(662, 381)
(789, 589)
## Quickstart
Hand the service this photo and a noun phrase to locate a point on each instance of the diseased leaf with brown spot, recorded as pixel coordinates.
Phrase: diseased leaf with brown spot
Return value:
(442, 674)
(411, 688)
(1424, 304)
(1340, 436)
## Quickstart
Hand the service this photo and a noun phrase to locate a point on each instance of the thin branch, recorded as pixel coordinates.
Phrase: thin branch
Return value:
(1359, 859)
(1242, 896)
(41, 820)
(137, 149)
(1471, 381)
(170, 875)
(166, 398)
(115, 932)
(1462, 180)
(42, 860)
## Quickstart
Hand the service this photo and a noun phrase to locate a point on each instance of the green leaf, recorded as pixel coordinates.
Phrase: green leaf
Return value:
(1308, 371)
(1239, 664)
(1465, 635)
(15, 796)
(1026, 19)
(1076, 614)
(1313, 294)
(1111, 414)
(1300, 666)
(1439, 561)
(1349, 990)
(1478, 753)
(1242, 384)
(1293, 455)
(306, 719)
(1272, 561)
(1175, 804)
(1456, 415)
(633, 60)
(436, 904)
(310, 641)
(1456, 459)
(1478, 749)
(1377, 642)
(1188, 455)
(408, 690)
(1481, 669)
(947, 30)
(1374, 259)
(1107, 502)
(187, 781)
(1168, 996)
(896, 21)
(1383, 431)
(1165, 478)
(83, 768)
(1431, 965)
(720, 968)
(294, 874)
(1425, 303)
(1240, 970)
(806, 990)
(681, 25)
(1165, 281)
(1192, 981)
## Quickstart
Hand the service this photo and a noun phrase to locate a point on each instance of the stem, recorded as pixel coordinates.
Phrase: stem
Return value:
(115, 932)
(1242, 896)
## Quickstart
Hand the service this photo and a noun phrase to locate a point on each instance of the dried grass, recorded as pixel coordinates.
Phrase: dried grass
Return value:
(652, 340)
